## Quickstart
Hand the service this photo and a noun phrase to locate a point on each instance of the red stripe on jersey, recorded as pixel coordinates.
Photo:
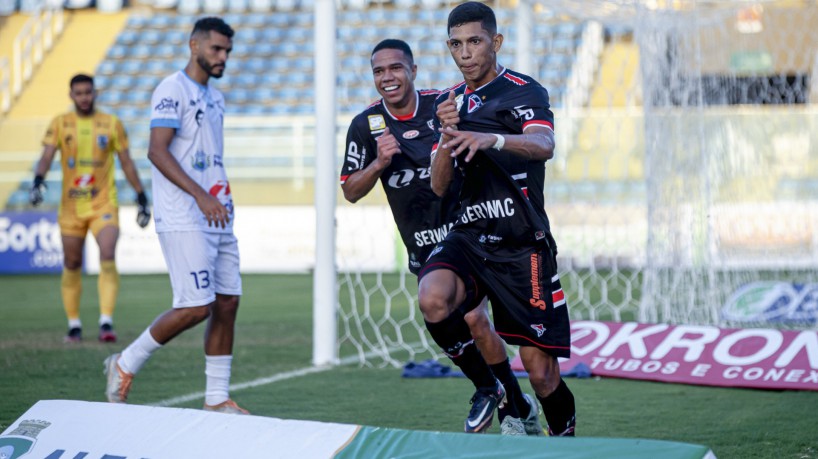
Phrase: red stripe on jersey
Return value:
(377, 102)
(344, 178)
(434, 148)
(544, 123)
(426, 92)
(558, 297)
(404, 117)
(536, 343)
(515, 80)
(454, 87)
(525, 191)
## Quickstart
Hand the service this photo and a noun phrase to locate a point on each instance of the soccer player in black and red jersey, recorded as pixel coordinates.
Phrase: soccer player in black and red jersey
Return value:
(391, 141)
(497, 131)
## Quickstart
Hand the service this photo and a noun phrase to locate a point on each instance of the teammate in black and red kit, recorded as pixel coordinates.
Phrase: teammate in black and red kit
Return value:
(391, 141)
(497, 131)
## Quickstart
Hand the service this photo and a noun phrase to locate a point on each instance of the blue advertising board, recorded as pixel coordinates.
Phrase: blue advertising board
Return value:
(30, 243)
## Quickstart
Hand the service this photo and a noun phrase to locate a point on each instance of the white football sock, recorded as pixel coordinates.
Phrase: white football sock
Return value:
(105, 319)
(135, 355)
(74, 323)
(217, 369)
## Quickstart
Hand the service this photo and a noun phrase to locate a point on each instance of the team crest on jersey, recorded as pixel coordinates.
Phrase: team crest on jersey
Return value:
(410, 134)
(71, 162)
(102, 141)
(200, 161)
(431, 124)
(539, 329)
(474, 102)
(376, 122)
(458, 100)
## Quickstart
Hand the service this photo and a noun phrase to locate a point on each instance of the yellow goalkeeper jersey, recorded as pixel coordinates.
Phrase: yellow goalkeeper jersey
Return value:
(87, 147)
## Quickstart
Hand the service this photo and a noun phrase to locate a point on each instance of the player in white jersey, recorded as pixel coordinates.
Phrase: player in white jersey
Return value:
(194, 219)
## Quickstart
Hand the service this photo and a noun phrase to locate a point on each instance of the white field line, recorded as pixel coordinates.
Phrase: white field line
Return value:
(268, 379)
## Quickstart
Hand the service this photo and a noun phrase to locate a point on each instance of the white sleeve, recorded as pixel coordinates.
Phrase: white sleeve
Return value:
(166, 108)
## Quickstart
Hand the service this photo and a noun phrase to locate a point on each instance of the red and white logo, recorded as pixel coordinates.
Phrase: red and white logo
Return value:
(474, 102)
(84, 181)
(410, 134)
(220, 189)
(539, 329)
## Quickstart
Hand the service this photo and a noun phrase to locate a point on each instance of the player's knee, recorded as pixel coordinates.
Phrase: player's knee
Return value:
(435, 304)
(192, 316)
(226, 304)
(72, 263)
(544, 384)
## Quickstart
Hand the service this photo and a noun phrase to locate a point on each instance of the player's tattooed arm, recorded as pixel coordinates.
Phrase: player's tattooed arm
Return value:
(361, 182)
(158, 153)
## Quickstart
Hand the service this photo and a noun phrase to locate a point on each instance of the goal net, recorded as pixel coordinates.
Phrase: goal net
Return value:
(684, 187)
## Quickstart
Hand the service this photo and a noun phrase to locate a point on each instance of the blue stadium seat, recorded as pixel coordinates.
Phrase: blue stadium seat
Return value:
(141, 51)
(130, 67)
(121, 82)
(246, 80)
(272, 35)
(117, 51)
(164, 51)
(160, 21)
(136, 21)
(102, 82)
(298, 34)
(106, 68)
(240, 49)
(109, 98)
(272, 79)
(127, 37)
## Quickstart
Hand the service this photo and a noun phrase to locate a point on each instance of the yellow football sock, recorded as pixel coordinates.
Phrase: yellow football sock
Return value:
(108, 285)
(71, 291)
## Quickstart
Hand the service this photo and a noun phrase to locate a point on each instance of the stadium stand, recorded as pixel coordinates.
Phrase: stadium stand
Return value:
(270, 73)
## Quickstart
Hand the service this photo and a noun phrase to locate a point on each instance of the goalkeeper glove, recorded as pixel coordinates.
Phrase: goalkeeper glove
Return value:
(143, 215)
(35, 195)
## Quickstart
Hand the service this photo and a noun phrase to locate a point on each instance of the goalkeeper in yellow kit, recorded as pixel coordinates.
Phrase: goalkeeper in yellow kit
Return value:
(87, 140)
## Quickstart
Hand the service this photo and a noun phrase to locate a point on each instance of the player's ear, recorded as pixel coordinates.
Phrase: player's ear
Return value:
(498, 42)
(414, 71)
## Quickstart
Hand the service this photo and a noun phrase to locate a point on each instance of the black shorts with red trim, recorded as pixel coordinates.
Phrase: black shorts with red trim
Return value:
(527, 301)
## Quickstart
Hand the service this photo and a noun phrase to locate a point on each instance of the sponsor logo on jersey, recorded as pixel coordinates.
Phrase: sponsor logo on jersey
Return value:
(354, 158)
(435, 251)
(410, 134)
(376, 122)
(458, 100)
(200, 161)
(217, 161)
(431, 124)
(199, 117)
(539, 329)
(401, 178)
(496, 208)
(221, 191)
(102, 141)
(166, 105)
(536, 300)
(432, 236)
(84, 181)
(474, 103)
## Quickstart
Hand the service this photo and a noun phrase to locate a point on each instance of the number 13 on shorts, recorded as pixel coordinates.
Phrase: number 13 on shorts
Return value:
(201, 279)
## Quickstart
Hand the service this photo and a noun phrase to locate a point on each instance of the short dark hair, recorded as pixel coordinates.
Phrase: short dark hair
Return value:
(394, 43)
(80, 78)
(212, 23)
(473, 12)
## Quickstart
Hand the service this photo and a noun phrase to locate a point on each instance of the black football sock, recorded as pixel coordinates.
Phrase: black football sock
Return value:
(560, 412)
(516, 405)
(453, 336)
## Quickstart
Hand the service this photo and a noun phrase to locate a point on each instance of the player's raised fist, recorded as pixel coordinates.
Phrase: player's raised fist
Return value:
(388, 146)
(447, 112)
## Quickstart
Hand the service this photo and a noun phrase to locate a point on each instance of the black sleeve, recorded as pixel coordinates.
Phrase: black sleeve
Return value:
(360, 148)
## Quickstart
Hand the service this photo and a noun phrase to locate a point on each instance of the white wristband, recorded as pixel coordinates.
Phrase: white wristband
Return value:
(500, 142)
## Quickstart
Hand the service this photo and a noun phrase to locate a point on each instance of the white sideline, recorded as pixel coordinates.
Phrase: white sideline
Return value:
(263, 381)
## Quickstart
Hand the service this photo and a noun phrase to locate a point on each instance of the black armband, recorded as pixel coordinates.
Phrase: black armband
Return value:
(141, 199)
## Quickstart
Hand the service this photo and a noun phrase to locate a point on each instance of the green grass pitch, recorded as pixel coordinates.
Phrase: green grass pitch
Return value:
(274, 336)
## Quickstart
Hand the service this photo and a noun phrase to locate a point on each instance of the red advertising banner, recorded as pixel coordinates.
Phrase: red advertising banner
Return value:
(696, 354)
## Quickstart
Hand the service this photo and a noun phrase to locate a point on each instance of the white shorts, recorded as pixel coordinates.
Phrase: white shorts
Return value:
(200, 266)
